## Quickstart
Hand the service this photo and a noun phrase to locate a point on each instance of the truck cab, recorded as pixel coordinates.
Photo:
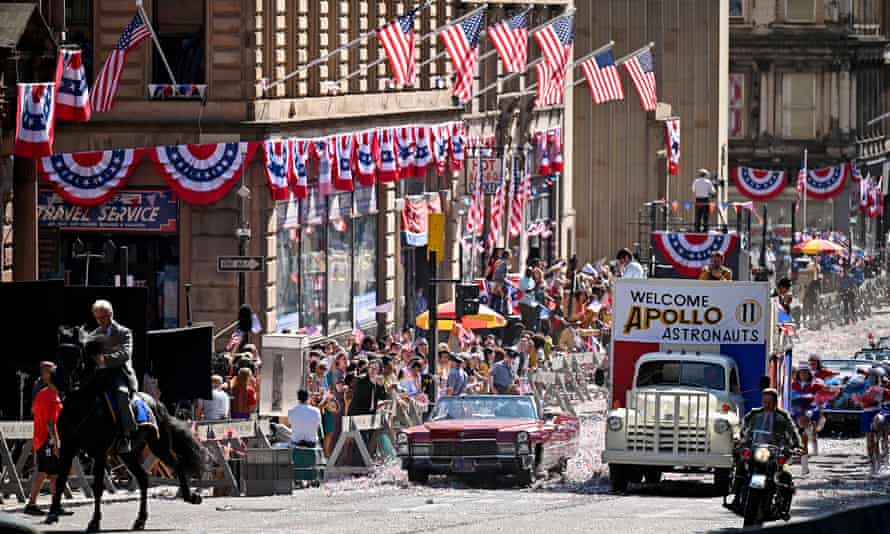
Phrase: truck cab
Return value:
(682, 413)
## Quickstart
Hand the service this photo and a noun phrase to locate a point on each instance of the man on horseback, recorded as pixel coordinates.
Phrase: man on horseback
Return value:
(115, 373)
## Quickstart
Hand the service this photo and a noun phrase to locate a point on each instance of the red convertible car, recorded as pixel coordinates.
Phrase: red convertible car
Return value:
(488, 434)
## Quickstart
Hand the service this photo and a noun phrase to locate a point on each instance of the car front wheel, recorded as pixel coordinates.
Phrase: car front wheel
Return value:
(418, 477)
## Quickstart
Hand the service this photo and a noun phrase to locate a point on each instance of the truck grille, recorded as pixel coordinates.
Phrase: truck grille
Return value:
(487, 447)
(668, 423)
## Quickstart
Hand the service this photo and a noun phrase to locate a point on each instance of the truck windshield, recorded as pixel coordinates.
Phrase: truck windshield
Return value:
(690, 374)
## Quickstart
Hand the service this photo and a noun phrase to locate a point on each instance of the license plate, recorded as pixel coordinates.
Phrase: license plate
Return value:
(758, 481)
(463, 465)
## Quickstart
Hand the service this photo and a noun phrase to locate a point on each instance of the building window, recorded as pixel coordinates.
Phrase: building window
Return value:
(800, 10)
(339, 276)
(799, 106)
(737, 105)
(737, 8)
(180, 29)
(79, 22)
(364, 270)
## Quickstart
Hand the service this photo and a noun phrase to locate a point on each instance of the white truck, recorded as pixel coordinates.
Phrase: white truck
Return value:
(688, 359)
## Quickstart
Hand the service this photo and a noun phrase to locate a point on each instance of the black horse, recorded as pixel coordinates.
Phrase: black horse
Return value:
(87, 424)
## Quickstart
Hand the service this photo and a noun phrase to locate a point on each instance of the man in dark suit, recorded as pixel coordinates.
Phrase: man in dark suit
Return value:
(116, 368)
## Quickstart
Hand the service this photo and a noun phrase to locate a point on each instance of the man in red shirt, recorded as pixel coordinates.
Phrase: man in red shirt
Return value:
(47, 406)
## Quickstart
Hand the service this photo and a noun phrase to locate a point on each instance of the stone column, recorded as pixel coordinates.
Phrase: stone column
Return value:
(24, 218)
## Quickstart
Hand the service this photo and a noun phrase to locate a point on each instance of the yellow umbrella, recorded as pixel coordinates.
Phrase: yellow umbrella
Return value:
(485, 319)
(818, 247)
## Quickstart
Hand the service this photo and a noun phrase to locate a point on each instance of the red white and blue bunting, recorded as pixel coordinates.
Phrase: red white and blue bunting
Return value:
(72, 92)
(277, 164)
(35, 119)
(89, 178)
(758, 184)
(826, 183)
(689, 253)
(202, 174)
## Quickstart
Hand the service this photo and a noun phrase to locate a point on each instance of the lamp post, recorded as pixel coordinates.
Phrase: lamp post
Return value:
(462, 209)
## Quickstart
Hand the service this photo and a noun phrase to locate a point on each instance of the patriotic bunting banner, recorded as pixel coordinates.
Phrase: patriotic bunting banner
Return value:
(441, 138)
(758, 184)
(299, 172)
(673, 146)
(323, 150)
(542, 155)
(457, 146)
(202, 174)
(89, 178)
(423, 150)
(72, 93)
(554, 149)
(343, 172)
(689, 253)
(35, 119)
(387, 162)
(405, 149)
(826, 183)
(276, 158)
(365, 157)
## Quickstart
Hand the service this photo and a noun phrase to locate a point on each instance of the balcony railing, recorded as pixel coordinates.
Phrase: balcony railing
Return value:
(865, 17)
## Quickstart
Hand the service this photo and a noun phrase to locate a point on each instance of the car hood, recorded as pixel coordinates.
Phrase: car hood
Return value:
(472, 428)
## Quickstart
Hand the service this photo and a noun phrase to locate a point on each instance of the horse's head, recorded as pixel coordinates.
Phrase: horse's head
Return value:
(75, 356)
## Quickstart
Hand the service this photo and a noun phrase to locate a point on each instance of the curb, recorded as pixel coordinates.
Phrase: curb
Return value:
(72, 503)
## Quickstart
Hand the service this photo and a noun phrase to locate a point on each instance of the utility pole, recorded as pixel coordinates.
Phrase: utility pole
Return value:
(243, 235)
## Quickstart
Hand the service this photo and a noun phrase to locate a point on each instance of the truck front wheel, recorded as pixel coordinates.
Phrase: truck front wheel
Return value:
(653, 476)
(618, 477)
(722, 481)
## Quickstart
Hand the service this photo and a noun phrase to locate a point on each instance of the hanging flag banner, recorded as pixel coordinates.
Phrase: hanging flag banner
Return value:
(689, 253)
(387, 159)
(345, 151)
(855, 173)
(276, 157)
(72, 93)
(458, 141)
(405, 151)
(758, 184)
(673, 145)
(414, 221)
(441, 135)
(299, 172)
(366, 154)
(323, 150)
(35, 120)
(554, 149)
(542, 155)
(423, 150)
(89, 178)
(827, 182)
(202, 174)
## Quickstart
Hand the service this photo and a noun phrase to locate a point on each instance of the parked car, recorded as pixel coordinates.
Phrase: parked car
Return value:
(491, 434)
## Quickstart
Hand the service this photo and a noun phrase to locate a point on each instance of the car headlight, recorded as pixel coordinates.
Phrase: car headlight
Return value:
(402, 444)
(721, 426)
(522, 437)
(614, 422)
(761, 455)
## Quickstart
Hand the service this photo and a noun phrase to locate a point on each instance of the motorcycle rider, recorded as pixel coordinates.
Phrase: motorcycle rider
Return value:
(767, 425)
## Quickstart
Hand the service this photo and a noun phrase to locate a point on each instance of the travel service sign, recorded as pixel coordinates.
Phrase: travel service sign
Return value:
(703, 313)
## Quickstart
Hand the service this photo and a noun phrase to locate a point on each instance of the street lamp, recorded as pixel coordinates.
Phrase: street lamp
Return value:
(462, 208)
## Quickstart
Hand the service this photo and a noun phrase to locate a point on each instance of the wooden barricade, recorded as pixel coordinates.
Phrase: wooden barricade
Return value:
(12, 476)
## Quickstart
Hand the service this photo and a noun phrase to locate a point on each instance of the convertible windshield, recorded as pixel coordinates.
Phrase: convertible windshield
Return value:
(690, 374)
(513, 407)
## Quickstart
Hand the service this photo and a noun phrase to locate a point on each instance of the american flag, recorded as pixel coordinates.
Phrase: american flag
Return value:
(510, 39)
(641, 68)
(109, 79)
(497, 215)
(602, 77)
(474, 214)
(462, 42)
(555, 42)
(517, 201)
(397, 38)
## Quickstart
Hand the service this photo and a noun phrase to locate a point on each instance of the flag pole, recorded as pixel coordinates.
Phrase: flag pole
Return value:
(157, 43)
(424, 37)
(636, 52)
(806, 174)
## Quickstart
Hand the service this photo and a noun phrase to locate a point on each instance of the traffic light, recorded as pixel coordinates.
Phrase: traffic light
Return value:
(467, 300)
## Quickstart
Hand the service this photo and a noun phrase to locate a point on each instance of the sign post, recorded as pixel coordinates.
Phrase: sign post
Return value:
(240, 264)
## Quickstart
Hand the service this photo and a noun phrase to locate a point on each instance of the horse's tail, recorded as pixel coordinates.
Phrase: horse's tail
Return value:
(187, 451)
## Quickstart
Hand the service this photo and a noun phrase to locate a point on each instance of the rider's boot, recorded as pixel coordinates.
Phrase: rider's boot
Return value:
(804, 465)
(126, 422)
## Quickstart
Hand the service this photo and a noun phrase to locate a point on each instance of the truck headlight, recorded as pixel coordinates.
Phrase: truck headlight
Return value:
(614, 422)
(761, 455)
(402, 444)
(721, 426)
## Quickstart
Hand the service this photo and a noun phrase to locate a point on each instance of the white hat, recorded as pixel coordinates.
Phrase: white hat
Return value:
(588, 269)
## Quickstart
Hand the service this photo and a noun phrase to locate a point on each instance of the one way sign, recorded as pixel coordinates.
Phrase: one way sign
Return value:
(238, 264)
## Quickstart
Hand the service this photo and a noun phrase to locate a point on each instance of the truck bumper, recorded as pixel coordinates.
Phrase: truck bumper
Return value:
(720, 461)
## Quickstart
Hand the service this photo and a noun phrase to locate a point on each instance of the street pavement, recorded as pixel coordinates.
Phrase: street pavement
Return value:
(581, 502)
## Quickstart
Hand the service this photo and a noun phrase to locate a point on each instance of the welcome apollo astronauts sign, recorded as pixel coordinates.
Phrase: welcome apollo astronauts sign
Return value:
(691, 312)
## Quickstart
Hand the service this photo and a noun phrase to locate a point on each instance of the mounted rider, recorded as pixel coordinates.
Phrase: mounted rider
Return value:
(115, 374)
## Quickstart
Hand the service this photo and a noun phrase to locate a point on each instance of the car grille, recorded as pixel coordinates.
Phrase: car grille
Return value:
(488, 447)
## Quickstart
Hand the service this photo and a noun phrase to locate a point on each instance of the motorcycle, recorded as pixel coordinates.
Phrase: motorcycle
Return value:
(765, 488)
